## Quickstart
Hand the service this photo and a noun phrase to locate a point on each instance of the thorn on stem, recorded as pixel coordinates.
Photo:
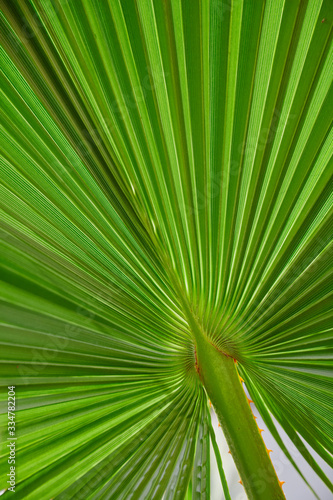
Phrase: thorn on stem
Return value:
(240, 481)
(281, 483)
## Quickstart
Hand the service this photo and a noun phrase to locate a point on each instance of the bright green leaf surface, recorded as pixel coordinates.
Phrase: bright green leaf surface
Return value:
(155, 152)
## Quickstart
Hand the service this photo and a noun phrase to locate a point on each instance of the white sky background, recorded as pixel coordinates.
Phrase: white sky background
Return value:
(294, 487)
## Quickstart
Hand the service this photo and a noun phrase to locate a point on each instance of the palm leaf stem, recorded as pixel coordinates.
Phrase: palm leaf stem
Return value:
(218, 374)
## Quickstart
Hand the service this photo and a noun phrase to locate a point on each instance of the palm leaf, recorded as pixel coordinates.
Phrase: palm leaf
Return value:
(159, 156)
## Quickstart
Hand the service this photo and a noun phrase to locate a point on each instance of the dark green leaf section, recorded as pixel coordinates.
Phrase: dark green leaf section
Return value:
(156, 154)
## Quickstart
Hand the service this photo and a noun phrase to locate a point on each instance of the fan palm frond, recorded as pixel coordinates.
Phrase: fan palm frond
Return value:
(166, 173)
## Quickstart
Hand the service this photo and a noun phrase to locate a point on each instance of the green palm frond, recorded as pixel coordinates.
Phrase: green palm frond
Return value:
(162, 161)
